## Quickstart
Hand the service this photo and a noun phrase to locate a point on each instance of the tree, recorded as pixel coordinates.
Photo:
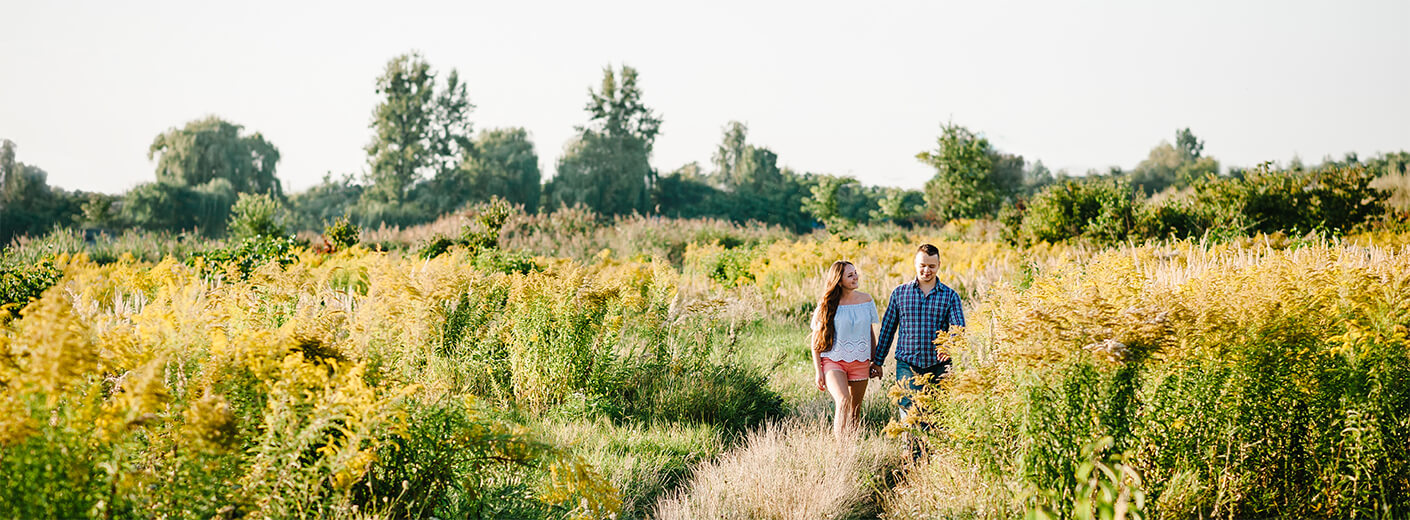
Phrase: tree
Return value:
(730, 154)
(608, 175)
(28, 205)
(963, 186)
(825, 204)
(898, 206)
(1173, 165)
(209, 149)
(401, 149)
(450, 127)
(607, 165)
(1190, 145)
(503, 164)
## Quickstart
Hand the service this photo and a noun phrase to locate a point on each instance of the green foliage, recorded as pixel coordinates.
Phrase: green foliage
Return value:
(607, 167)
(103, 248)
(257, 215)
(22, 283)
(727, 266)
(341, 233)
(1174, 166)
(899, 206)
(825, 202)
(746, 186)
(964, 185)
(328, 200)
(402, 122)
(161, 206)
(1103, 211)
(1335, 199)
(249, 253)
(209, 149)
(496, 260)
(505, 165)
(28, 205)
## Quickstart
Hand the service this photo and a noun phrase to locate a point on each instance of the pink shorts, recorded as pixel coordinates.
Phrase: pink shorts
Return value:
(856, 370)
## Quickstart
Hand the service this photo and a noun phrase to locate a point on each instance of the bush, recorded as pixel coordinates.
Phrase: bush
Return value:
(1335, 199)
(1102, 211)
(21, 284)
(1227, 397)
(250, 253)
(256, 215)
(341, 233)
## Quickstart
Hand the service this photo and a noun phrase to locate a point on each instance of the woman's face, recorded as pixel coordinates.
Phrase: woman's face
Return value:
(850, 278)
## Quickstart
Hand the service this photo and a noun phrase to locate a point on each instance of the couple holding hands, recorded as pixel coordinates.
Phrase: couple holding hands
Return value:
(847, 350)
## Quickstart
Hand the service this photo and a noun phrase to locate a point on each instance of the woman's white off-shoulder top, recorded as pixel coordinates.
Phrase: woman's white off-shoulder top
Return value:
(853, 324)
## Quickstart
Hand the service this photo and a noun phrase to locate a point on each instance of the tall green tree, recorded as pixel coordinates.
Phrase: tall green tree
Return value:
(211, 148)
(401, 148)
(964, 184)
(28, 205)
(729, 155)
(1174, 165)
(450, 127)
(504, 164)
(607, 166)
(826, 202)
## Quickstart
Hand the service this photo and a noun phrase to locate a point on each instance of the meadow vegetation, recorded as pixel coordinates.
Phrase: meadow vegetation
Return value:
(560, 365)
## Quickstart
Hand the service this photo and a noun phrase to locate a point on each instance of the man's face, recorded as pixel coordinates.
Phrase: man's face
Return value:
(926, 265)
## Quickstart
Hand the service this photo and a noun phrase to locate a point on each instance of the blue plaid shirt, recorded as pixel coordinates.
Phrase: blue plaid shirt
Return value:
(920, 318)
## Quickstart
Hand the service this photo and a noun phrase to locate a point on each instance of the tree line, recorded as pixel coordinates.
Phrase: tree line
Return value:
(426, 159)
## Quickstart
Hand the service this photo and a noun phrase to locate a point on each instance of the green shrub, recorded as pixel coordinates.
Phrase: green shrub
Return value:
(248, 254)
(256, 215)
(342, 233)
(20, 284)
(1100, 210)
(1335, 199)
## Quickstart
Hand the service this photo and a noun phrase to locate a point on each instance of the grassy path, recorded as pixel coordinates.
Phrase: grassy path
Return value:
(793, 468)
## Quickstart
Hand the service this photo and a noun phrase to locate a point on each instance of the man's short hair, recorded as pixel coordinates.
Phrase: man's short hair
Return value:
(928, 249)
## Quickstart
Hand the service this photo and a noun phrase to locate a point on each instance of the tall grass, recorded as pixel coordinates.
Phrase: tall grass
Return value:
(786, 470)
(1239, 382)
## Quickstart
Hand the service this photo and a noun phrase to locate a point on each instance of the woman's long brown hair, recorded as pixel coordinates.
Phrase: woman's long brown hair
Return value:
(827, 306)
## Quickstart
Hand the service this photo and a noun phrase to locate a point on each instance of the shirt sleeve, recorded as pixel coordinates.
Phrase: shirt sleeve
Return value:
(956, 316)
(889, 324)
(874, 317)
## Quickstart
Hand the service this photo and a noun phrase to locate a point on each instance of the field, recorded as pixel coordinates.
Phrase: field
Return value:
(657, 368)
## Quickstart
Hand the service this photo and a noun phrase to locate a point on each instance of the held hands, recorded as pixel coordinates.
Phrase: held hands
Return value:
(874, 371)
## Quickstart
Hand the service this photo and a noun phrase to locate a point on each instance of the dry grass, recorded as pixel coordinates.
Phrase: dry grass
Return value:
(1398, 184)
(946, 486)
(787, 470)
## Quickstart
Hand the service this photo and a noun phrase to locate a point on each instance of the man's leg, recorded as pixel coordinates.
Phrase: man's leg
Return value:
(904, 378)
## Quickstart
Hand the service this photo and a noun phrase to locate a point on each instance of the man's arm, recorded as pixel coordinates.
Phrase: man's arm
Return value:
(889, 324)
(956, 317)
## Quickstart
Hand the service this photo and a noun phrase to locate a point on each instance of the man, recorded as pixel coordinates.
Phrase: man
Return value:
(920, 310)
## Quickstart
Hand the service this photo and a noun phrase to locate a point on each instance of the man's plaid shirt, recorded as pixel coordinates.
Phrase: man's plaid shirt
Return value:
(920, 318)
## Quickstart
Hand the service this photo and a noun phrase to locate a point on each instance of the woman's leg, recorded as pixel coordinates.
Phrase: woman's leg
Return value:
(841, 398)
(859, 391)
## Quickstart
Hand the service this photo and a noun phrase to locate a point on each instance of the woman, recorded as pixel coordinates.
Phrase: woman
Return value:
(842, 341)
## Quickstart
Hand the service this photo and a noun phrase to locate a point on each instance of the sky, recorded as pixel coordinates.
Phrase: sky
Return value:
(844, 88)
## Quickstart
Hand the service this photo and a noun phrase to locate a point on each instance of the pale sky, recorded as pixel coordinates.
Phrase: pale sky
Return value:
(849, 88)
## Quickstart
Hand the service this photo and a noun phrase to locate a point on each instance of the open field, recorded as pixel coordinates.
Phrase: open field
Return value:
(1263, 377)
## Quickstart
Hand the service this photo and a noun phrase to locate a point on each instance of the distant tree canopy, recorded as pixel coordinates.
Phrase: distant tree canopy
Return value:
(209, 149)
(504, 164)
(1173, 165)
(418, 131)
(28, 205)
(424, 160)
(972, 178)
(607, 166)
